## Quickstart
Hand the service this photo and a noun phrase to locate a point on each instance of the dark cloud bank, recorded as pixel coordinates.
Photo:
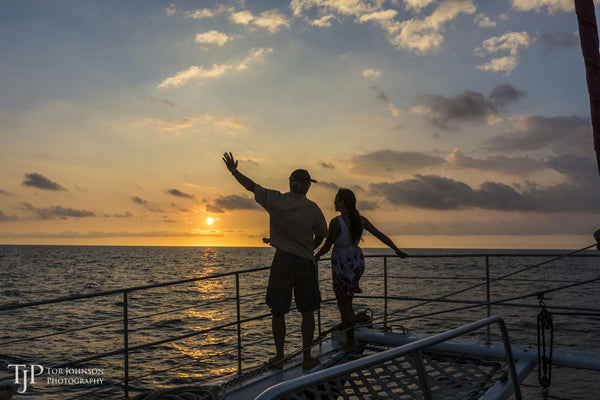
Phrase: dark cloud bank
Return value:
(39, 181)
(468, 105)
(232, 202)
(439, 193)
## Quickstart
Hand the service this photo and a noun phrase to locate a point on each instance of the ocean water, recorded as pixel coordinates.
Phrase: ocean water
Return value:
(54, 334)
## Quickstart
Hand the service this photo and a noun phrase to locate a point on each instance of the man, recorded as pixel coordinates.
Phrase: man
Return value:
(297, 228)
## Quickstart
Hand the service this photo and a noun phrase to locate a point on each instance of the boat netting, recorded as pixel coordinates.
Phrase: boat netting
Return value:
(449, 376)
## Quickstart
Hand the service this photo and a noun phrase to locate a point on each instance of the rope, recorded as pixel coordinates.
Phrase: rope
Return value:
(185, 393)
(544, 323)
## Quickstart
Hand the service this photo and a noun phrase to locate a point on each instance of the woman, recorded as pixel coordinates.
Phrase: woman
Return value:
(347, 261)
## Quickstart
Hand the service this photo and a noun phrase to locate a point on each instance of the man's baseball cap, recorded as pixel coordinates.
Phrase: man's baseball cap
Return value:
(301, 175)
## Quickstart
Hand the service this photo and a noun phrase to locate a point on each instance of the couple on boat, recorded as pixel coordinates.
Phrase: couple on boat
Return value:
(297, 228)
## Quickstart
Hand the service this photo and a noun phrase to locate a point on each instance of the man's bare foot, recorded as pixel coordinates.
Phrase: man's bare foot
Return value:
(349, 347)
(275, 362)
(310, 363)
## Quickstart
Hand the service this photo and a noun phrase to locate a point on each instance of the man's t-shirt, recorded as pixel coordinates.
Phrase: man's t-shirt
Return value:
(294, 220)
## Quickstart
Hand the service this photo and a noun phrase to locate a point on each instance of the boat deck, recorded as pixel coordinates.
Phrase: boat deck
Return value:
(452, 371)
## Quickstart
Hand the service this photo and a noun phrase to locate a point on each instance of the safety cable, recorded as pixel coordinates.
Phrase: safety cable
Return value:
(492, 302)
(499, 278)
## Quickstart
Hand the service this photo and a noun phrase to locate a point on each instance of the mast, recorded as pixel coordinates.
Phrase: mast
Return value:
(588, 34)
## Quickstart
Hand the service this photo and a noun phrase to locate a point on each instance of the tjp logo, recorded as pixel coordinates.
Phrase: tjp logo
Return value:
(26, 374)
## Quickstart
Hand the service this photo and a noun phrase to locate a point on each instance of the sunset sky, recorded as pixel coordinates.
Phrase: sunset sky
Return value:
(457, 123)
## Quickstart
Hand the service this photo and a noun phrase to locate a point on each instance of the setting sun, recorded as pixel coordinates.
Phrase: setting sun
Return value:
(209, 221)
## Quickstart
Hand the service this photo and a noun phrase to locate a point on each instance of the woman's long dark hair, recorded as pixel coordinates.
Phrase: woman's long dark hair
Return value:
(349, 200)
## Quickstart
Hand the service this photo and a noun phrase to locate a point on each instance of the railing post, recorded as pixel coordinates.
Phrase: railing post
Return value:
(385, 293)
(488, 296)
(239, 324)
(422, 374)
(319, 309)
(126, 345)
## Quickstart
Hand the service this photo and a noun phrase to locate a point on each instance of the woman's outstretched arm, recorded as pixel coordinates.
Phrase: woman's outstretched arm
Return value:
(334, 232)
(382, 236)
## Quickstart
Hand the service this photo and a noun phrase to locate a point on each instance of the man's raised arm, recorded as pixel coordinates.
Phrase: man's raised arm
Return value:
(231, 164)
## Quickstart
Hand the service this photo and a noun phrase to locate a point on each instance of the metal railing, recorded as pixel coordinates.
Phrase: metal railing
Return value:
(240, 320)
(306, 382)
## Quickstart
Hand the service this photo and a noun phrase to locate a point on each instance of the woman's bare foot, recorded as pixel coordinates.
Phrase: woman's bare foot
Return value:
(275, 362)
(310, 363)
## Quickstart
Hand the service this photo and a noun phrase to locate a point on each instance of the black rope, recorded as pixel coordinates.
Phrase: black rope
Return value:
(544, 324)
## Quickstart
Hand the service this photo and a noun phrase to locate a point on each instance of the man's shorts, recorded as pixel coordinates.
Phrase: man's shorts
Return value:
(289, 271)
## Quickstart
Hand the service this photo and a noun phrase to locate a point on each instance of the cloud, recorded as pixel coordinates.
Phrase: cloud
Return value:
(231, 202)
(7, 218)
(563, 134)
(426, 35)
(146, 204)
(371, 73)
(365, 205)
(153, 100)
(122, 234)
(233, 123)
(242, 17)
(578, 169)
(212, 37)
(39, 181)
(510, 224)
(139, 200)
(171, 10)
(512, 165)
(194, 73)
(342, 7)
(255, 56)
(387, 162)
(417, 5)
(467, 106)
(202, 74)
(504, 94)
(483, 21)
(440, 193)
(553, 43)
(511, 42)
(328, 185)
(382, 17)
(271, 20)
(323, 22)
(419, 35)
(208, 12)
(176, 126)
(382, 97)
(180, 194)
(327, 165)
(56, 212)
(538, 6)
(126, 214)
(171, 125)
(4, 193)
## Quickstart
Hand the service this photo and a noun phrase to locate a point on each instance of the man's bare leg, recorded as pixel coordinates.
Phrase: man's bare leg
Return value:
(308, 332)
(278, 327)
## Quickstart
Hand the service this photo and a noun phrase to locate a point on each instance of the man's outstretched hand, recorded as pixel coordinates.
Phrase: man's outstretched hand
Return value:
(230, 162)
